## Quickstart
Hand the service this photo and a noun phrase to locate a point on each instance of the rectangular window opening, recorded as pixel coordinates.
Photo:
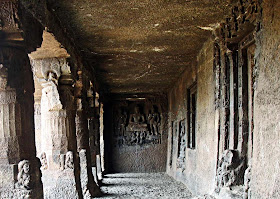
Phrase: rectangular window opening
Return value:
(192, 107)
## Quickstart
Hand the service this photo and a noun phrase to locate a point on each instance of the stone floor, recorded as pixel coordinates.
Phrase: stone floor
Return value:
(143, 185)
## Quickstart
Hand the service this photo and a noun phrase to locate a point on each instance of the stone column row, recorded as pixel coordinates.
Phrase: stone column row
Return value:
(64, 171)
(19, 167)
(89, 186)
(64, 135)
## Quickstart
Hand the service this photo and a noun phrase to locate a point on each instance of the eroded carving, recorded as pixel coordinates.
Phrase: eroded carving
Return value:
(52, 77)
(247, 182)
(121, 122)
(69, 160)
(230, 170)
(154, 121)
(140, 127)
(24, 176)
(136, 117)
(43, 159)
(136, 128)
(181, 145)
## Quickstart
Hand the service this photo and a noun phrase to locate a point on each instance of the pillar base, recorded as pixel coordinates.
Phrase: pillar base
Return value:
(8, 184)
(88, 185)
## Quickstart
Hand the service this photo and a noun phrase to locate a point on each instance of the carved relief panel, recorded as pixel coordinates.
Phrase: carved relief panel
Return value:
(181, 145)
(171, 142)
(137, 124)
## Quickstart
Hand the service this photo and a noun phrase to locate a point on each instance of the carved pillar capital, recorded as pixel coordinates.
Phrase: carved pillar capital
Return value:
(55, 70)
(54, 75)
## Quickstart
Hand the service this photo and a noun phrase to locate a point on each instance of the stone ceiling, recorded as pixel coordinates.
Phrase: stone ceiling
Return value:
(139, 46)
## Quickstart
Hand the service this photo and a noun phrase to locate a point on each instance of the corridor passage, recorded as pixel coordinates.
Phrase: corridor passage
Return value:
(143, 185)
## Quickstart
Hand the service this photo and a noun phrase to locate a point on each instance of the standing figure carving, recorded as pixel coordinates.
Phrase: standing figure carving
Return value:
(154, 120)
(24, 177)
(69, 160)
(122, 118)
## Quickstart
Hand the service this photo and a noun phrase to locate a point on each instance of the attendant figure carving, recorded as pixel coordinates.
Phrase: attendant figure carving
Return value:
(24, 177)
(154, 120)
(122, 118)
(69, 160)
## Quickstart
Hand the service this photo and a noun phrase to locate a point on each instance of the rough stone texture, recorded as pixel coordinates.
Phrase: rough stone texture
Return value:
(137, 46)
(200, 163)
(140, 158)
(142, 47)
(59, 184)
(88, 185)
(143, 185)
(89, 188)
(135, 147)
(266, 153)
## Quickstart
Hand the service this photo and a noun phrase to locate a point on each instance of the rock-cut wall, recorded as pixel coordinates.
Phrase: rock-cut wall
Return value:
(138, 136)
(194, 162)
(266, 152)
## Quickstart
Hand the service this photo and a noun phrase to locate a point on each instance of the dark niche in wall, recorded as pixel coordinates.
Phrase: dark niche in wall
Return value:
(137, 124)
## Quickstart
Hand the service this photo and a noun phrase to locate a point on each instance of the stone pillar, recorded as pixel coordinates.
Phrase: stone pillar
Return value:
(98, 136)
(88, 185)
(93, 126)
(58, 148)
(19, 167)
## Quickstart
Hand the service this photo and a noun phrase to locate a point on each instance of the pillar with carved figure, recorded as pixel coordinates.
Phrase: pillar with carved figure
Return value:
(19, 167)
(57, 149)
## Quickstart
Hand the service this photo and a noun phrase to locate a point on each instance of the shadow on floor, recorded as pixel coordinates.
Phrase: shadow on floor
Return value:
(143, 185)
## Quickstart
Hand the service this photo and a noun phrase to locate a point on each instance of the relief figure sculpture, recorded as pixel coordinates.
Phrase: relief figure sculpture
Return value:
(69, 160)
(121, 123)
(43, 159)
(137, 117)
(154, 121)
(24, 177)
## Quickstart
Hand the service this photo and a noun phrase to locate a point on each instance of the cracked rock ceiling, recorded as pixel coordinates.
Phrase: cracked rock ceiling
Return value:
(139, 46)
